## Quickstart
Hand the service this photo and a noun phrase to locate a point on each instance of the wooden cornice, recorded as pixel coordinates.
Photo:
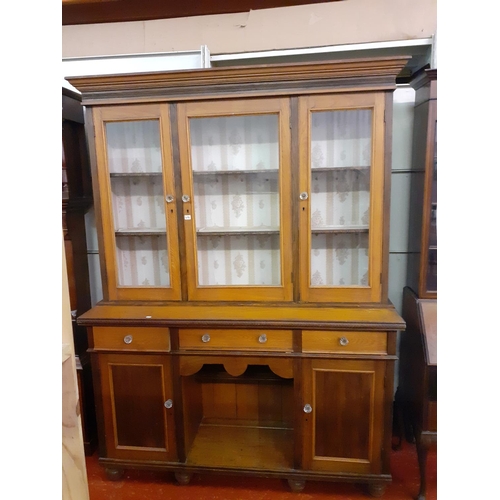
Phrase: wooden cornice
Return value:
(362, 74)
(423, 77)
(425, 84)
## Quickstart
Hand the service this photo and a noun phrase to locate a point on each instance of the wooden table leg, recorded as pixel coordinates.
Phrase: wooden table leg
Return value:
(422, 465)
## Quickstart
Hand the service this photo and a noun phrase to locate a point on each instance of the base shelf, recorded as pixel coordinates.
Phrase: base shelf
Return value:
(242, 447)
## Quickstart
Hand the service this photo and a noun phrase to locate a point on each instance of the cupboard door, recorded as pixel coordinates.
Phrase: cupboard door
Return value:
(235, 162)
(341, 197)
(137, 203)
(138, 406)
(343, 415)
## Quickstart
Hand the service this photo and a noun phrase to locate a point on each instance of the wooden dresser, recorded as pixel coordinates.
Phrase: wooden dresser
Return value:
(243, 223)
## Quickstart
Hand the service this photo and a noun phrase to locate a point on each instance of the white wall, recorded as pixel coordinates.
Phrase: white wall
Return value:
(330, 23)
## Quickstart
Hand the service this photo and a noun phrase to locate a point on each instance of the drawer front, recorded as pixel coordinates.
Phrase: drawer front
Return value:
(131, 339)
(344, 342)
(236, 340)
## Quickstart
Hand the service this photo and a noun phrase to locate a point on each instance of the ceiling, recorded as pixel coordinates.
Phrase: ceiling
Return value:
(109, 11)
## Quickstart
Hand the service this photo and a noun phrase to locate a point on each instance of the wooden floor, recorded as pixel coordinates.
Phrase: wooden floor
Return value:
(143, 485)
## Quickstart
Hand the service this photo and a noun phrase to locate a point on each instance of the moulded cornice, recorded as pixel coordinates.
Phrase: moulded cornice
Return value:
(423, 77)
(228, 81)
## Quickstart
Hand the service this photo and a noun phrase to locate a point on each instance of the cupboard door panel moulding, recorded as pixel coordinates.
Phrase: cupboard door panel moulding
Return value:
(345, 395)
(138, 389)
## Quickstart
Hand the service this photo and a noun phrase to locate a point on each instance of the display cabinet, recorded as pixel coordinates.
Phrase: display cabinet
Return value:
(422, 267)
(76, 201)
(242, 217)
(417, 392)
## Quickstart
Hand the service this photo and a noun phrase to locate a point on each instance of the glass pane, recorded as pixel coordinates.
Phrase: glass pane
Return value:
(234, 143)
(339, 259)
(341, 153)
(239, 260)
(133, 146)
(432, 256)
(142, 261)
(137, 198)
(235, 163)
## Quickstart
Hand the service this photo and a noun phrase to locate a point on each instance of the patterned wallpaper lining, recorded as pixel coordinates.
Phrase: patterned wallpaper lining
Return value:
(138, 202)
(237, 201)
(341, 144)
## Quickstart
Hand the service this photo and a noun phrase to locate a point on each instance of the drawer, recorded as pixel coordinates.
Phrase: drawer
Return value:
(131, 339)
(236, 340)
(344, 342)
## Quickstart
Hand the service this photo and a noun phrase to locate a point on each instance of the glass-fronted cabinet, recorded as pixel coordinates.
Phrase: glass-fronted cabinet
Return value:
(235, 197)
(236, 193)
(341, 219)
(431, 260)
(139, 215)
(422, 267)
(242, 218)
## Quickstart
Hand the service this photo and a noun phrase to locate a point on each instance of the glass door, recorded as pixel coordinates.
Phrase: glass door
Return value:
(341, 197)
(137, 202)
(236, 183)
(429, 252)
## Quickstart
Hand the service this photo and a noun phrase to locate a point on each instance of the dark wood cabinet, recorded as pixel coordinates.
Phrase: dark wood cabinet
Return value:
(417, 391)
(137, 389)
(242, 218)
(76, 200)
(344, 415)
(422, 268)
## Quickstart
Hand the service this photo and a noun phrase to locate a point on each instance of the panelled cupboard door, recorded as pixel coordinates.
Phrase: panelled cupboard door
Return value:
(341, 149)
(235, 166)
(138, 407)
(137, 202)
(343, 404)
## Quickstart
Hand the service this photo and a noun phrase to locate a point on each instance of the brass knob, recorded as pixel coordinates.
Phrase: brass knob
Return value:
(263, 338)
(205, 338)
(168, 403)
(308, 408)
(127, 339)
(343, 341)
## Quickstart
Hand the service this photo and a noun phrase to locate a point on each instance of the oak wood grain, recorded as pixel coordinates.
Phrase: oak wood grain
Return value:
(357, 342)
(141, 339)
